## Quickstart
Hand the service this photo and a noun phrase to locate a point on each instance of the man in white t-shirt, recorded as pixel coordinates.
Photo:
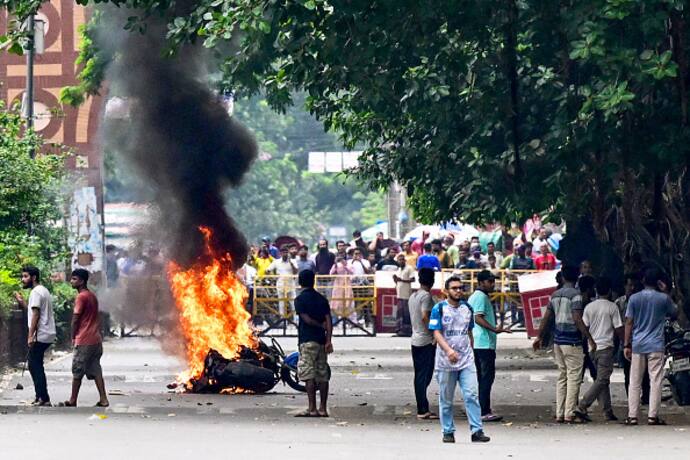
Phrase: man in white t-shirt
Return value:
(286, 269)
(41, 330)
(403, 277)
(247, 274)
(603, 321)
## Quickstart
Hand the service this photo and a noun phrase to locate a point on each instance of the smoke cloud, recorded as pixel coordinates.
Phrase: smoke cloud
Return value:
(180, 139)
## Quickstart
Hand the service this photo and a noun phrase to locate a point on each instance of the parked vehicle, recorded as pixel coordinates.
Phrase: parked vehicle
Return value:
(678, 363)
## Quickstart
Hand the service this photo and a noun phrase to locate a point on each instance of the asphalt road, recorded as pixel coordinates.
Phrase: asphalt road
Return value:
(372, 413)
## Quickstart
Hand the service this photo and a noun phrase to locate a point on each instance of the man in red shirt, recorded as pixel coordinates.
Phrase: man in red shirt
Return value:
(87, 340)
(545, 260)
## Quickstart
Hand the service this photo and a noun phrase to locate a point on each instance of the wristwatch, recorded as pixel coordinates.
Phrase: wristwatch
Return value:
(628, 346)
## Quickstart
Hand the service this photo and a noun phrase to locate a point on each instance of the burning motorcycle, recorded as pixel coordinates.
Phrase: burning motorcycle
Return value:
(255, 371)
(678, 363)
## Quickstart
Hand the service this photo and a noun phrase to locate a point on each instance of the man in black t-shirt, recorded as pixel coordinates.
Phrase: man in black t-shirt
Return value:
(314, 339)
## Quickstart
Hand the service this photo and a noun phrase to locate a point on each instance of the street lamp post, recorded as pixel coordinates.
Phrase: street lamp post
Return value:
(29, 94)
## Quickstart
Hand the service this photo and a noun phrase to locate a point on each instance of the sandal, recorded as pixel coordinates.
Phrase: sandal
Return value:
(427, 416)
(100, 404)
(630, 421)
(574, 421)
(66, 404)
(306, 413)
(655, 421)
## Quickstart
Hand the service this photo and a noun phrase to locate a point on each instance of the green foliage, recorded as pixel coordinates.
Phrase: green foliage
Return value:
(93, 61)
(32, 195)
(63, 305)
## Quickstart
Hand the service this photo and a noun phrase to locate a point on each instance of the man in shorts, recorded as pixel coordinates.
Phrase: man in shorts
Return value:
(87, 340)
(314, 339)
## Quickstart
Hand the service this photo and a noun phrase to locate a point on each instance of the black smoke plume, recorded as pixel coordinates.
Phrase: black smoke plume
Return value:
(181, 140)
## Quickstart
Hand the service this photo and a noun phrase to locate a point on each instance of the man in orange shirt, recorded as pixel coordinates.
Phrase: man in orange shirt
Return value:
(87, 340)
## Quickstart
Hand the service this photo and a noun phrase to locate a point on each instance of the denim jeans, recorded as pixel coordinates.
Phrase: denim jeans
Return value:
(447, 380)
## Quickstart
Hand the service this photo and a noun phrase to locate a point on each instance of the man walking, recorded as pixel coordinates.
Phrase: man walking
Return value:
(41, 330)
(644, 344)
(423, 348)
(87, 340)
(603, 322)
(451, 321)
(566, 308)
(314, 340)
(403, 279)
(484, 333)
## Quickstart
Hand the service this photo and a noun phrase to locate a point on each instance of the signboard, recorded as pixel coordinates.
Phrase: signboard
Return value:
(317, 162)
(85, 237)
(333, 162)
(535, 292)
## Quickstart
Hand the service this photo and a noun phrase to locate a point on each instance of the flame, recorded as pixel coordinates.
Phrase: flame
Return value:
(210, 300)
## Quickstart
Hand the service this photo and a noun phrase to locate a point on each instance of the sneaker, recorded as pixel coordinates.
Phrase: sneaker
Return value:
(582, 415)
(448, 437)
(491, 418)
(479, 436)
(610, 417)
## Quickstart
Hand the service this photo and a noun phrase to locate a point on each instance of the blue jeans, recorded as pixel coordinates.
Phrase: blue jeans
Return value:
(470, 393)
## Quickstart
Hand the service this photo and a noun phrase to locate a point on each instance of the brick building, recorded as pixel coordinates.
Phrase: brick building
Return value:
(76, 128)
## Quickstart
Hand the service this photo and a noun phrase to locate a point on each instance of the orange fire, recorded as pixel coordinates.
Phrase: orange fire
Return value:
(210, 300)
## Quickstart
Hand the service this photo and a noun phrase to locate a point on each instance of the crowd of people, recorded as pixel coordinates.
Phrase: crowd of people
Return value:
(592, 330)
(359, 258)
(455, 339)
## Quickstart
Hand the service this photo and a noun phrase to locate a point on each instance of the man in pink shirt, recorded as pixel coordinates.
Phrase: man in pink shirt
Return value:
(418, 244)
(87, 340)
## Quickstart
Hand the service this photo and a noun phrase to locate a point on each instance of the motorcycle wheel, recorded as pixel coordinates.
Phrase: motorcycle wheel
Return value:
(289, 376)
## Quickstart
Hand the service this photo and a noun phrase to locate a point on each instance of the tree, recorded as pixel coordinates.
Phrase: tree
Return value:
(485, 111)
(32, 204)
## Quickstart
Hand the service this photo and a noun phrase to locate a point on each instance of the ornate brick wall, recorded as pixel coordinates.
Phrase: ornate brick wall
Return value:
(55, 69)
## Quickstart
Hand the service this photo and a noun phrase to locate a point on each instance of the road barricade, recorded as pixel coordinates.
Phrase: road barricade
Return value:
(352, 299)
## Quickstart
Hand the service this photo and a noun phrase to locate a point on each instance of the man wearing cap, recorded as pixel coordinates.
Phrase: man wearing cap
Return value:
(484, 332)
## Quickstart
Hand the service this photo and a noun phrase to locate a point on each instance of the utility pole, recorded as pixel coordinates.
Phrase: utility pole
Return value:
(29, 94)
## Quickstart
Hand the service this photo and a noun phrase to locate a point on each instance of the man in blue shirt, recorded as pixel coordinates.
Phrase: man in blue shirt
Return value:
(428, 260)
(484, 334)
(644, 343)
(452, 322)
